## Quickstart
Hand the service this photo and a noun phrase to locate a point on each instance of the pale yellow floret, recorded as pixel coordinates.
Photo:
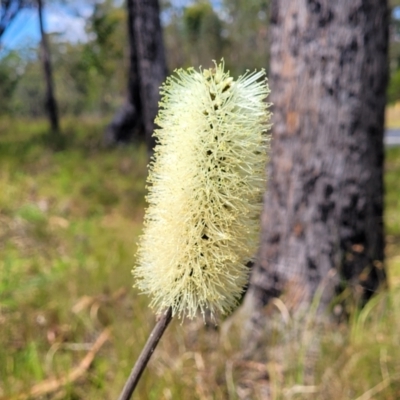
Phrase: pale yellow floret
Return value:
(205, 191)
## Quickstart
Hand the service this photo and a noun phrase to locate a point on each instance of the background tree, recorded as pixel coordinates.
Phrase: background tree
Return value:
(322, 224)
(50, 100)
(151, 62)
(203, 32)
(100, 66)
(147, 71)
(91, 74)
(128, 120)
(246, 29)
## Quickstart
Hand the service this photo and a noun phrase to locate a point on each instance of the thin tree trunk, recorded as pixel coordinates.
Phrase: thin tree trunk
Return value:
(322, 226)
(50, 102)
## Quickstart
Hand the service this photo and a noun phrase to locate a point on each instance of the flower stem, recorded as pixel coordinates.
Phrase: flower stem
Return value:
(145, 355)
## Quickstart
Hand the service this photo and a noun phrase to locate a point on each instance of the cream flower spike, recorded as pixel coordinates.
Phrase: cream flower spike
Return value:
(205, 183)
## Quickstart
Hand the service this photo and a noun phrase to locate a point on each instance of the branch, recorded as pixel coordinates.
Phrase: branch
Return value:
(145, 355)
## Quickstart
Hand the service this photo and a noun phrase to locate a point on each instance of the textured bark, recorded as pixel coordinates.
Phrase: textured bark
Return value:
(152, 65)
(127, 121)
(322, 223)
(147, 71)
(50, 101)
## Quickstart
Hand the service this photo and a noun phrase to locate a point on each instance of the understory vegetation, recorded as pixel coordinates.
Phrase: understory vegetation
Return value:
(71, 325)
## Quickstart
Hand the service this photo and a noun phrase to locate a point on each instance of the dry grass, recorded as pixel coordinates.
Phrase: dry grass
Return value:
(392, 116)
(69, 221)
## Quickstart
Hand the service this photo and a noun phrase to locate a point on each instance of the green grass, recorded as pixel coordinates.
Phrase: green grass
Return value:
(70, 215)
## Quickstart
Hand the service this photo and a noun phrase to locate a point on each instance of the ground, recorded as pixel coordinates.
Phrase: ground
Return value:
(70, 215)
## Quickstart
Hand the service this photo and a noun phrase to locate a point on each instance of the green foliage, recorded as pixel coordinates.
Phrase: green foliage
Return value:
(195, 16)
(247, 28)
(90, 78)
(236, 30)
(393, 90)
(193, 35)
(107, 26)
(392, 198)
(10, 74)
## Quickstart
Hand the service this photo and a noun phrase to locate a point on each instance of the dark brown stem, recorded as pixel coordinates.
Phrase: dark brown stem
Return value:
(51, 104)
(145, 355)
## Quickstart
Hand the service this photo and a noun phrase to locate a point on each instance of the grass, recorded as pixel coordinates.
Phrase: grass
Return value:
(70, 216)
(393, 116)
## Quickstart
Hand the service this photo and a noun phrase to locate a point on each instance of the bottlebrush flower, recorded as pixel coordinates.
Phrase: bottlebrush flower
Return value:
(205, 183)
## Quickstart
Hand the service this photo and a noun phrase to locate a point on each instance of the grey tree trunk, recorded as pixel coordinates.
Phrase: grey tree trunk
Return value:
(50, 101)
(147, 71)
(322, 225)
(127, 121)
(152, 65)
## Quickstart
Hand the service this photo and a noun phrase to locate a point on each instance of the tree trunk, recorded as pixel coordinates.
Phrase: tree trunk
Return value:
(151, 61)
(322, 226)
(50, 102)
(127, 121)
(147, 71)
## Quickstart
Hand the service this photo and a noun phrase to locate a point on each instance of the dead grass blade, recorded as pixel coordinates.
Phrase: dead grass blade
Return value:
(54, 384)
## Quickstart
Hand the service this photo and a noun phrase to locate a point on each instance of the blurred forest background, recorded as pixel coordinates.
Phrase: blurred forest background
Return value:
(71, 211)
(90, 73)
(91, 76)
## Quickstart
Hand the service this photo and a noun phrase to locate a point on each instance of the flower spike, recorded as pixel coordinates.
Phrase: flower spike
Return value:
(206, 182)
